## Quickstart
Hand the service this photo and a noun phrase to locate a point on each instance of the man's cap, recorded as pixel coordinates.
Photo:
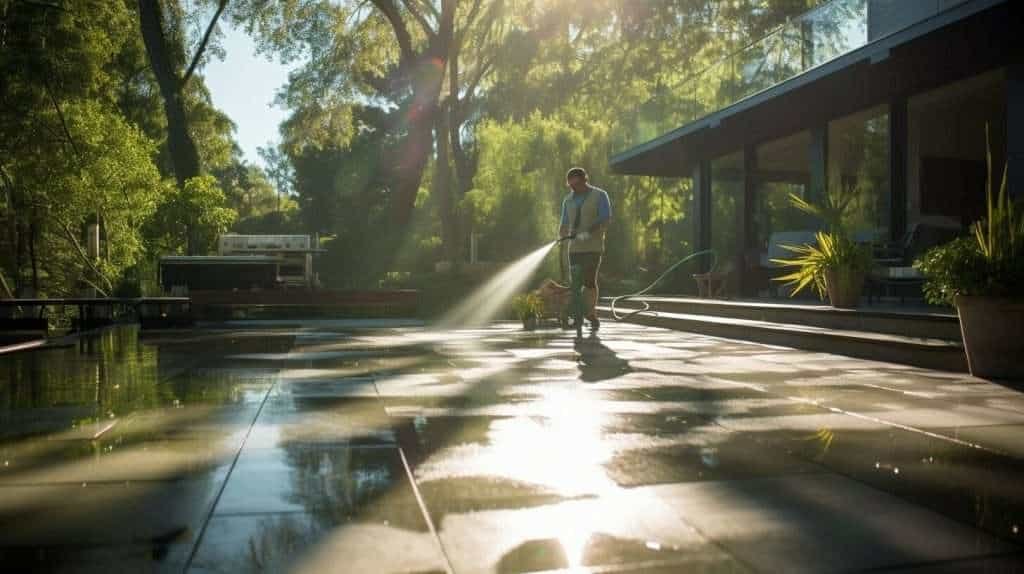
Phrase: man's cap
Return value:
(576, 172)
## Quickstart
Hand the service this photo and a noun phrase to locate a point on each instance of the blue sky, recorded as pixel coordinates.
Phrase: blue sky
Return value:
(243, 87)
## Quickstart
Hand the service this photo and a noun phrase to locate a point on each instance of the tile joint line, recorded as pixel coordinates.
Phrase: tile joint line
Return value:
(224, 484)
(426, 514)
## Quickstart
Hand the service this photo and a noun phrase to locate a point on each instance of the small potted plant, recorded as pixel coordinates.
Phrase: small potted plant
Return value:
(836, 265)
(529, 308)
(982, 275)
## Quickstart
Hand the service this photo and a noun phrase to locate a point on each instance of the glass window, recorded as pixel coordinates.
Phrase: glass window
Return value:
(858, 164)
(726, 197)
(783, 168)
(946, 149)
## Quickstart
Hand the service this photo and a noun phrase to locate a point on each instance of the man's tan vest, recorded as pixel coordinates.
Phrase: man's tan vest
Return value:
(588, 216)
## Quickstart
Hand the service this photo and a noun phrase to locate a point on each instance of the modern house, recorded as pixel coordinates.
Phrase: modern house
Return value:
(887, 99)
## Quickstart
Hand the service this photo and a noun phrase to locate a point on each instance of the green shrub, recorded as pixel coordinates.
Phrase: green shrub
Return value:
(956, 268)
(990, 262)
(527, 305)
(833, 252)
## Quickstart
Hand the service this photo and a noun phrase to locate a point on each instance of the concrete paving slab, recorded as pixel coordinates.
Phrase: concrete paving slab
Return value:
(1007, 564)
(138, 527)
(820, 523)
(333, 479)
(617, 529)
(1003, 438)
(305, 543)
(644, 450)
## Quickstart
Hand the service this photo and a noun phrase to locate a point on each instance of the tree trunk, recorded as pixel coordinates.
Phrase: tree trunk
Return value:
(14, 234)
(460, 159)
(411, 156)
(427, 71)
(19, 257)
(180, 145)
(445, 193)
(32, 232)
(182, 148)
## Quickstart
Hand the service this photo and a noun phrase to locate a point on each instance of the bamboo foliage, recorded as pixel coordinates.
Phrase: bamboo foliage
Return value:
(1000, 235)
(988, 262)
(832, 211)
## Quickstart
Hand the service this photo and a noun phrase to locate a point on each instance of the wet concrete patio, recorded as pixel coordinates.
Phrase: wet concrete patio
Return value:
(377, 447)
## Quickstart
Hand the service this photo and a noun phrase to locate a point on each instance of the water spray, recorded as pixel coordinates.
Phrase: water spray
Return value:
(486, 302)
(481, 306)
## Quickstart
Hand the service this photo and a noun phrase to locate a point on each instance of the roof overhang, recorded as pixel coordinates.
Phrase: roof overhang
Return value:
(219, 260)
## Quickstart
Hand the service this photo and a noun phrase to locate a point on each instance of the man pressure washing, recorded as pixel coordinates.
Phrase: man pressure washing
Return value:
(586, 212)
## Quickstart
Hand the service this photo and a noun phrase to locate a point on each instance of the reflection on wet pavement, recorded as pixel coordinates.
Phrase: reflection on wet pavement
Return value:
(372, 447)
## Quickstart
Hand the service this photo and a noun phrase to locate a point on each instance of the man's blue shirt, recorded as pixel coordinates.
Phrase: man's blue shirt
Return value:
(604, 206)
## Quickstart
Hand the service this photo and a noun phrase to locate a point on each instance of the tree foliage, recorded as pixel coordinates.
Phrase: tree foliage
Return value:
(69, 158)
(413, 125)
(84, 142)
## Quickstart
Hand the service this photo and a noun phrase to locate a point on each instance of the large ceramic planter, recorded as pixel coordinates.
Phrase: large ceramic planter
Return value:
(530, 323)
(993, 331)
(844, 287)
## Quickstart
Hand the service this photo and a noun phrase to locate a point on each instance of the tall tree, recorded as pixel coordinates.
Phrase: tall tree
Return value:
(67, 156)
(166, 51)
(393, 52)
(422, 69)
(478, 33)
(458, 78)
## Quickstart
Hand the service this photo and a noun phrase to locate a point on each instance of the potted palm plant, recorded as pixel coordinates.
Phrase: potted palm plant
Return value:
(982, 275)
(836, 265)
(528, 308)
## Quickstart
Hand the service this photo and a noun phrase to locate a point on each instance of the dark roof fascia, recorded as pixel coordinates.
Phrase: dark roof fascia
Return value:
(218, 259)
(876, 50)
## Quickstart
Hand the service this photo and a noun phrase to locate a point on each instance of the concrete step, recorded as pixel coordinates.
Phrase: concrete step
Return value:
(927, 352)
(907, 323)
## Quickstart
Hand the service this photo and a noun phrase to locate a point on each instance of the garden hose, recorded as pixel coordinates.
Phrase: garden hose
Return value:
(646, 306)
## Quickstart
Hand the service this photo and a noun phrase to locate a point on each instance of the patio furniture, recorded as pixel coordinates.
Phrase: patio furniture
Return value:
(887, 281)
(894, 272)
(711, 284)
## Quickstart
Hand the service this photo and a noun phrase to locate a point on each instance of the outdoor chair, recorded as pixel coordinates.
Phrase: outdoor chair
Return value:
(711, 285)
(866, 237)
(776, 250)
(893, 270)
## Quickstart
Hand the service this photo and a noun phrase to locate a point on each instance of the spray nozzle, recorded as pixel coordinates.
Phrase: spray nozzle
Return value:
(566, 238)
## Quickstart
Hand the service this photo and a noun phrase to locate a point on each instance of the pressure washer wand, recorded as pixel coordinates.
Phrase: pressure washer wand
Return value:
(566, 238)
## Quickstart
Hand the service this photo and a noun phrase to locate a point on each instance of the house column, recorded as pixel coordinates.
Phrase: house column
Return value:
(898, 142)
(702, 211)
(746, 241)
(818, 162)
(1014, 130)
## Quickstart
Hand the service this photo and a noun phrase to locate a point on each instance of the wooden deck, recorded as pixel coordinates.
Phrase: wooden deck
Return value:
(29, 314)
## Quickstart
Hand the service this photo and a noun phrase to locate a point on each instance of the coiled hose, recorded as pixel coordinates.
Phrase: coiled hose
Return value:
(646, 306)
